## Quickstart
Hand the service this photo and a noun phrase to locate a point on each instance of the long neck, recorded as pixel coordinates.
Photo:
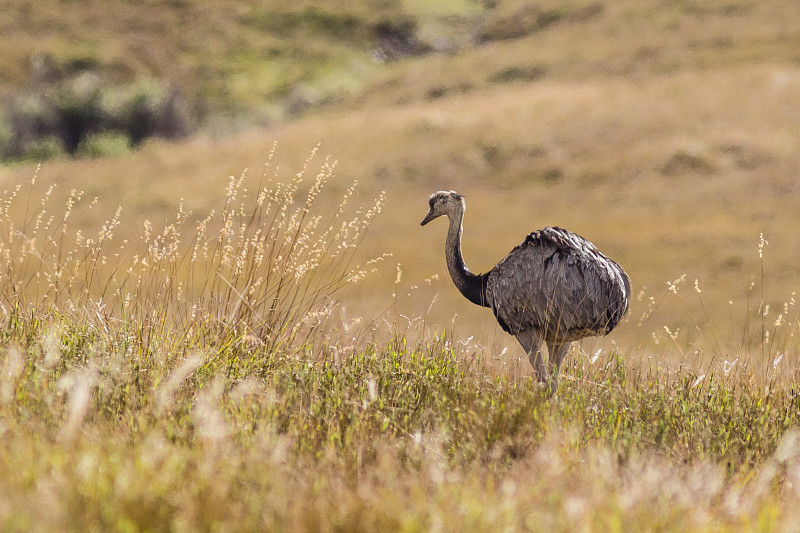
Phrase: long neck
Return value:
(470, 285)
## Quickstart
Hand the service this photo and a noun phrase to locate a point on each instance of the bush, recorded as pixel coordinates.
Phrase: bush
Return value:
(73, 112)
(27, 123)
(5, 134)
(151, 110)
(49, 147)
(80, 110)
(104, 145)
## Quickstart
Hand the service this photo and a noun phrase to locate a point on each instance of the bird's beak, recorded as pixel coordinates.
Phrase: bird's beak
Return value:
(430, 216)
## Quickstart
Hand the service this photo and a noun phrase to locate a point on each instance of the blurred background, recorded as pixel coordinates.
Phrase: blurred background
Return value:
(665, 131)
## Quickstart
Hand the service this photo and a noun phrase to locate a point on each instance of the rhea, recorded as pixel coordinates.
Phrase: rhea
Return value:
(555, 287)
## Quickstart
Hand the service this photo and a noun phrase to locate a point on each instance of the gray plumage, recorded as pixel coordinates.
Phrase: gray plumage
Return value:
(555, 287)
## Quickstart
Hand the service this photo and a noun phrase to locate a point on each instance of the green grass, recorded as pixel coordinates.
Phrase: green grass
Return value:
(153, 383)
(390, 436)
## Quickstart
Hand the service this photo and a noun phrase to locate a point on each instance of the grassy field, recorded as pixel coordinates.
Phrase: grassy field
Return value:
(227, 333)
(204, 376)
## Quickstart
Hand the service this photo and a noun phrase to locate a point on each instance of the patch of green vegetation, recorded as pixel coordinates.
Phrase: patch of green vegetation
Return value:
(43, 149)
(83, 116)
(515, 73)
(157, 429)
(316, 20)
(104, 145)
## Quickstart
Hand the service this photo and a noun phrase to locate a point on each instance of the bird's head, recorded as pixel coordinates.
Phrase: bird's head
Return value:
(443, 203)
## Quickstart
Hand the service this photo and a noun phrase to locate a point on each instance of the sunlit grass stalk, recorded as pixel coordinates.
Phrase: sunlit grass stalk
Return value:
(263, 265)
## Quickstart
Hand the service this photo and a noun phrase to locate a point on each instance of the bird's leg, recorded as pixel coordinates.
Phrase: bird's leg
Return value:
(532, 343)
(557, 352)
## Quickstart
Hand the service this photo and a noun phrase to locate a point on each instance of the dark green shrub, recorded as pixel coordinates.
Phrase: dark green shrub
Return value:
(83, 116)
(152, 110)
(28, 120)
(42, 149)
(80, 111)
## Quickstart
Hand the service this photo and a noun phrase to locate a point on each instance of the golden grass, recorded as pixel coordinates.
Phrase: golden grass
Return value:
(264, 264)
(199, 376)
(666, 133)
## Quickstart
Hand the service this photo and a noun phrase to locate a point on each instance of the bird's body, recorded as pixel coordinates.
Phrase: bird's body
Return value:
(555, 287)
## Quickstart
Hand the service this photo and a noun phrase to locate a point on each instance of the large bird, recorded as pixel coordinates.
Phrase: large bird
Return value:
(554, 287)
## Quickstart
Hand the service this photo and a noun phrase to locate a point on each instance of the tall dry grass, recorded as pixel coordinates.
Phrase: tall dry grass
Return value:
(263, 268)
(192, 377)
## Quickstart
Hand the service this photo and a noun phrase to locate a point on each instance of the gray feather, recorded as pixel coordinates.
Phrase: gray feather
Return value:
(560, 284)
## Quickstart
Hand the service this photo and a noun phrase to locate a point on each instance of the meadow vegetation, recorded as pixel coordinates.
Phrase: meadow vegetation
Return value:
(238, 332)
(192, 377)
